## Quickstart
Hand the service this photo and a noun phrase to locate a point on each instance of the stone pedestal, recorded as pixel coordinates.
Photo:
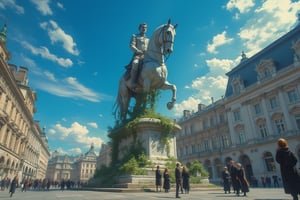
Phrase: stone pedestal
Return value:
(158, 147)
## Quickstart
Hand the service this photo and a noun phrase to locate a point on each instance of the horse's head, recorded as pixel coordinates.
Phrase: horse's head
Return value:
(166, 37)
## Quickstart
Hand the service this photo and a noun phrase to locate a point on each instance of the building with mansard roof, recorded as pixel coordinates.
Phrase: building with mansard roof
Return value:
(79, 168)
(23, 150)
(261, 104)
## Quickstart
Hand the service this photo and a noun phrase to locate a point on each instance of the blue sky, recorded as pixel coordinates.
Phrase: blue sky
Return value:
(76, 52)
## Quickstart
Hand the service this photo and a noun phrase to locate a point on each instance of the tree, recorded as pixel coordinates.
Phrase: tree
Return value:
(197, 168)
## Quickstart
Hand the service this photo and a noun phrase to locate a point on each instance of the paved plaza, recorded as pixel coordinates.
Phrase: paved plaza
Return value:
(254, 194)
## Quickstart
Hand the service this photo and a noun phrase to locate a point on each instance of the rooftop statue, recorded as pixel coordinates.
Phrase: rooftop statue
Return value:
(151, 73)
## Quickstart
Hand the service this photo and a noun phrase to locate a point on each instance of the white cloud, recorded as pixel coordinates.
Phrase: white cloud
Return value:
(43, 6)
(75, 150)
(77, 135)
(68, 87)
(44, 53)
(60, 5)
(57, 35)
(218, 40)
(50, 76)
(93, 124)
(242, 5)
(271, 20)
(4, 4)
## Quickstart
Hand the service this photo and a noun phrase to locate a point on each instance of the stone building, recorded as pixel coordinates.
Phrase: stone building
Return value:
(60, 167)
(104, 158)
(74, 168)
(260, 105)
(23, 151)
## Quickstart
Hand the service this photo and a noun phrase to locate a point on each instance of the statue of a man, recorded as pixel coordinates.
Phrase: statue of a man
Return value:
(139, 45)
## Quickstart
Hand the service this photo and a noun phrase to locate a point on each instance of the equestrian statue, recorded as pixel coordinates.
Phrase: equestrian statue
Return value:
(147, 71)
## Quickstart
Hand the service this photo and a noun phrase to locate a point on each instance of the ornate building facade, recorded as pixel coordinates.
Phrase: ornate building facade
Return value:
(260, 105)
(74, 168)
(24, 148)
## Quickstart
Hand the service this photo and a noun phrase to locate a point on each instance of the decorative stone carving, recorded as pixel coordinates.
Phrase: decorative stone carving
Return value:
(237, 85)
(265, 69)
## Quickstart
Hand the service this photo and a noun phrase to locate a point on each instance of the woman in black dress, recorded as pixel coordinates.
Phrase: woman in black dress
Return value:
(185, 180)
(289, 172)
(166, 184)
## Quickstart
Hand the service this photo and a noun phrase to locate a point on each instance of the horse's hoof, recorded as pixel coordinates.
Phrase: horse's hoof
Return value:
(170, 105)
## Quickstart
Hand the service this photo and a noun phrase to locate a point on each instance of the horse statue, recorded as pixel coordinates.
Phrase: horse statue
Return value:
(153, 74)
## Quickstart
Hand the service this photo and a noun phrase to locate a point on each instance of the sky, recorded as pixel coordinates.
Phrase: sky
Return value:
(76, 51)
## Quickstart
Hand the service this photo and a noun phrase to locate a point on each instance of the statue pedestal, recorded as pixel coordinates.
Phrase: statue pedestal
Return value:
(158, 146)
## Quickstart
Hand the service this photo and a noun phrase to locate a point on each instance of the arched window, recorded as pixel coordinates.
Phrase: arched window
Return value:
(269, 160)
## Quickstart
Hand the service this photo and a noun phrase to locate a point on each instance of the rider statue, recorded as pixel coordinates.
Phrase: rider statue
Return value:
(138, 44)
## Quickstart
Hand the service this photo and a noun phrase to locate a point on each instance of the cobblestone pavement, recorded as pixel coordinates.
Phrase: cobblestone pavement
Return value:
(254, 194)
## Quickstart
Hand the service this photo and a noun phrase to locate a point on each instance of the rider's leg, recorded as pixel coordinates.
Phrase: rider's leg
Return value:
(133, 73)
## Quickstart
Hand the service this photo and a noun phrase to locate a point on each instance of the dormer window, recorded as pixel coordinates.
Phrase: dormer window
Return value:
(296, 48)
(265, 69)
(237, 85)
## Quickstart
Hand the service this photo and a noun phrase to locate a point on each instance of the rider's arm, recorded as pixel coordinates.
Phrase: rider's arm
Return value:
(133, 45)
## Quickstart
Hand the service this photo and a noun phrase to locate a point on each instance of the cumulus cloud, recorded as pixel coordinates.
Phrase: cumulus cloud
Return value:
(43, 6)
(76, 135)
(58, 35)
(242, 6)
(218, 40)
(45, 53)
(270, 20)
(11, 4)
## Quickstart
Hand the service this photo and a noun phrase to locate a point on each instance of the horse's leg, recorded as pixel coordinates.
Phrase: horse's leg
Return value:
(172, 87)
(124, 99)
(147, 85)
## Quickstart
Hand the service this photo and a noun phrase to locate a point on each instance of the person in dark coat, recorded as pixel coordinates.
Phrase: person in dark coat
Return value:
(289, 172)
(226, 180)
(158, 179)
(185, 180)
(166, 184)
(232, 171)
(13, 186)
(178, 179)
(243, 184)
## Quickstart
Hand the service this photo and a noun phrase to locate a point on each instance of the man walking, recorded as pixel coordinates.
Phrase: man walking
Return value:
(178, 179)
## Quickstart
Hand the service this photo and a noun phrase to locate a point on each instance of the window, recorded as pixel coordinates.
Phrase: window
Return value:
(242, 137)
(206, 145)
(222, 118)
(263, 130)
(257, 109)
(297, 118)
(204, 123)
(265, 69)
(236, 115)
(193, 149)
(273, 103)
(215, 143)
(279, 124)
(224, 141)
(269, 160)
(292, 96)
(186, 150)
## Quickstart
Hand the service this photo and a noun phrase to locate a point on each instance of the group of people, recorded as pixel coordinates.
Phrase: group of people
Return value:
(235, 177)
(182, 177)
